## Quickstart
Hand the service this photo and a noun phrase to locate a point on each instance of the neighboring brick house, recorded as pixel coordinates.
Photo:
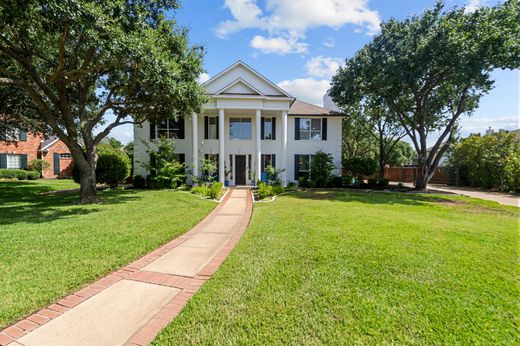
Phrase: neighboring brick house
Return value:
(18, 148)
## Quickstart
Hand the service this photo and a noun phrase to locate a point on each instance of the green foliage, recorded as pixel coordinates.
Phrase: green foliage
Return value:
(273, 175)
(68, 67)
(321, 169)
(38, 165)
(168, 172)
(372, 181)
(383, 182)
(430, 70)
(19, 174)
(361, 166)
(139, 181)
(264, 190)
(348, 180)
(278, 189)
(488, 161)
(208, 170)
(402, 154)
(208, 190)
(357, 139)
(113, 167)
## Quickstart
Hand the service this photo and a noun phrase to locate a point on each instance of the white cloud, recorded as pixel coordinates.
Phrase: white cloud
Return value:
(278, 45)
(323, 67)
(203, 78)
(291, 19)
(309, 90)
(329, 42)
(473, 5)
(480, 124)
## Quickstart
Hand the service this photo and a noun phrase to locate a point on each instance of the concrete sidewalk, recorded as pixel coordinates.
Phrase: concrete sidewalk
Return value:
(499, 197)
(132, 305)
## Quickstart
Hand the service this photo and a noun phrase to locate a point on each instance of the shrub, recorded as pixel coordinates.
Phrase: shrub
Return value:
(201, 190)
(361, 166)
(264, 190)
(33, 175)
(336, 182)
(19, 174)
(511, 175)
(273, 175)
(277, 189)
(321, 169)
(383, 182)
(348, 180)
(167, 171)
(214, 190)
(139, 181)
(112, 167)
(372, 181)
(291, 184)
(38, 165)
(303, 181)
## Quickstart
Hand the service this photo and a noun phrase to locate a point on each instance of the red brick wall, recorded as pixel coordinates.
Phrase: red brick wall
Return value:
(29, 147)
(65, 164)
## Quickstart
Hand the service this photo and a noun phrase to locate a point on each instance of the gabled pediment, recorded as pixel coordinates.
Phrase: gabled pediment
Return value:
(239, 87)
(239, 78)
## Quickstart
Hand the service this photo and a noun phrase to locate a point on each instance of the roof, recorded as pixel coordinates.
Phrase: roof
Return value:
(48, 142)
(304, 108)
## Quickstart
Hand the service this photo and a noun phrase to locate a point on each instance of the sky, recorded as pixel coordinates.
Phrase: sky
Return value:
(299, 44)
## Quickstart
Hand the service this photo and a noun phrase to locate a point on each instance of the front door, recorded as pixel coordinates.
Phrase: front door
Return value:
(240, 169)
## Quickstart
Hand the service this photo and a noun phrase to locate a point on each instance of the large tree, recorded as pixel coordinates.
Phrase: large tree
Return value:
(78, 69)
(430, 70)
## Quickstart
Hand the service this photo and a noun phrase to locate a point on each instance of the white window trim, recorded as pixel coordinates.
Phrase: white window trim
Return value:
(241, 139)
(310, 130)
(210, 125)
(270, 121)
(167, 128)
(19, 158)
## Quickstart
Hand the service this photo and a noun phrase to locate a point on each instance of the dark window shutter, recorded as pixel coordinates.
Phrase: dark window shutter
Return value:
(153, 164)
(297, 129)
(152, 130)
(273, 160)
(262, 160)
(23, 161)
(3, 160)
(182, 158)
(262, 128)
(2, 136)
(23, 135)
(218, 129)
(296, 167)
(56, 159)
(274, 128)
(206, 156)
(206, 127)
(182, 127)
(324, 129)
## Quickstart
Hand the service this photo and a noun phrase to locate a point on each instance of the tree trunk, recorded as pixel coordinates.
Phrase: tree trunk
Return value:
(86, 164)
(423, 176)
(382, 157)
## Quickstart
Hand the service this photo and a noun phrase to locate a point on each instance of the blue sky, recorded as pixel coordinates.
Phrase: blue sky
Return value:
(299, 44)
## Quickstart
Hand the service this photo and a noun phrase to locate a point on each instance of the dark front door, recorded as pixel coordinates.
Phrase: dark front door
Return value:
(240, 169)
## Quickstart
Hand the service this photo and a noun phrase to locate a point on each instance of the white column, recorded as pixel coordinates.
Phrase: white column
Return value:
(284, 148)
(195, 144)
(222, 152)
(258, 145)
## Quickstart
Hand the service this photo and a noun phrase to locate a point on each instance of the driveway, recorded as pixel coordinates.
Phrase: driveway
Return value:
(500, 197)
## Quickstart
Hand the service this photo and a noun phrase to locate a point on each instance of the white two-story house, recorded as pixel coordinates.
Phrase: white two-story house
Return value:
(248, 124)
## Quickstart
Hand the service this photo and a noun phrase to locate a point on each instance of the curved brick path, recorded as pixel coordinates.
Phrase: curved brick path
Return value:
(133, 304)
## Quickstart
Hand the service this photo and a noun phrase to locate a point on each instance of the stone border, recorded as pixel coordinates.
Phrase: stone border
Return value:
(188, 285)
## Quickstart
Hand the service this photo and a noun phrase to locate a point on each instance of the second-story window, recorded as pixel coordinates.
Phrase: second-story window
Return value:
(268, 130)
(310, 129)
(240, 128)
(170, 128)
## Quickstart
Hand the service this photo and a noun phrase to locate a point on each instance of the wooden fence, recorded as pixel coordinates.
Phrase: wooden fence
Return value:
(408, 175)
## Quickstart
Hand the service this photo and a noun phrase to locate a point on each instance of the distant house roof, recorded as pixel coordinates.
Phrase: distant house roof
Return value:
(48, 142)
(304, 108)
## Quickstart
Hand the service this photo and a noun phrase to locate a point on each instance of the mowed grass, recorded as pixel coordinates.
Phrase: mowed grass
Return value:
(335, 267)
(50, 246)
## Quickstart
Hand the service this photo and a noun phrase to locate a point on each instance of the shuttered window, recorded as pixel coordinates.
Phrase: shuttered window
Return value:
(314, 129)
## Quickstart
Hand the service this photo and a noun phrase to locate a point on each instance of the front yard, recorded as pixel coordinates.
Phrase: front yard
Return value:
(363, 268)
(50, 246)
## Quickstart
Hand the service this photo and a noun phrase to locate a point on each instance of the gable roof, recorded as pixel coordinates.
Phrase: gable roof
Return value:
(239, 82)
(48, 142)
(263, 85)
(304, 108)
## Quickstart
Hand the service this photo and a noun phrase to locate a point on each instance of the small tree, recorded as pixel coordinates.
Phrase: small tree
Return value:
(38, 165)
(322, 165)
(361, 167)
(208, 171)
(113, 167)
(273, 175)
(164, 166)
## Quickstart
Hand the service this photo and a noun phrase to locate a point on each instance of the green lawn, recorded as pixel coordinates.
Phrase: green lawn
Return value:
(50, 246)
(355, 268)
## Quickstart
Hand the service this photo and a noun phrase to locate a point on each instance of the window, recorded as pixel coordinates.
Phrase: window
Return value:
(268, 160)
(14, 161)
(240, 128)
(304, 164)
(12, 135)
(268, 128)
(65, 156)
(310, 129)
(212, 128)
(169, 128)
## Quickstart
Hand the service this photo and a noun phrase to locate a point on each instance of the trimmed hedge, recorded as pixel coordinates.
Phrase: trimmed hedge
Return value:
(19, 174)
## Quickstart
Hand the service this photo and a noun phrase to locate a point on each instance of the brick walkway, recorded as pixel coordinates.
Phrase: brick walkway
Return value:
(132, 305)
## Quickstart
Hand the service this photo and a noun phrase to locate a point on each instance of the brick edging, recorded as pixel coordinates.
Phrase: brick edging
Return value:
(188, 285)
